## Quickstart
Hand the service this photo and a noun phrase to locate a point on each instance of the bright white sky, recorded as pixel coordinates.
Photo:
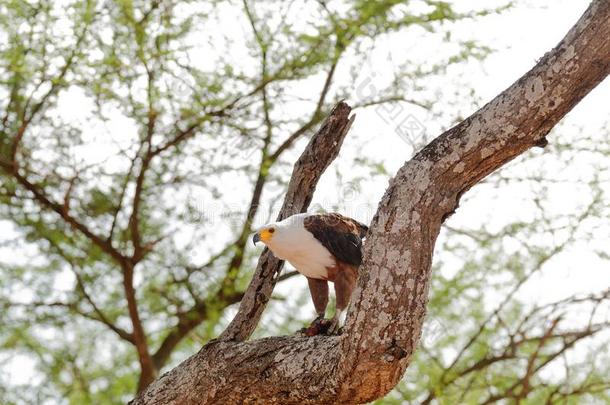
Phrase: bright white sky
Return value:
(520, 36)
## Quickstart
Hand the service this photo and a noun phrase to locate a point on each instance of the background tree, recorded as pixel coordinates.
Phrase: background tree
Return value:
(122, 117)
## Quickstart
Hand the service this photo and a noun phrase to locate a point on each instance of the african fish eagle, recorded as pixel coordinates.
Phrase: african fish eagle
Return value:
(323, 247)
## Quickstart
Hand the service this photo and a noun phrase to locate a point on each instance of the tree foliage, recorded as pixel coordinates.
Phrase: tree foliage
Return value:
(139, 140)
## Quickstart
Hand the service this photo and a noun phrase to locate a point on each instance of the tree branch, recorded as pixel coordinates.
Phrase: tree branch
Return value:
(43, 200)
(314, 117)
(56, 84)
(148, 372)
(122, 333)
(187, 321)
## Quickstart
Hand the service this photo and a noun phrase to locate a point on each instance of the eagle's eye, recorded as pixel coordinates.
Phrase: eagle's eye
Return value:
(271, 230)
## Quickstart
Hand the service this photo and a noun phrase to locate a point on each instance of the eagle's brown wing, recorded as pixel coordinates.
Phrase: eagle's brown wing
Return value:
(342, 236)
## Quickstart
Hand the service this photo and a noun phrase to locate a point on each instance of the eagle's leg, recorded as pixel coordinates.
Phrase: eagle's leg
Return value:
(345, 282)
(319, 295)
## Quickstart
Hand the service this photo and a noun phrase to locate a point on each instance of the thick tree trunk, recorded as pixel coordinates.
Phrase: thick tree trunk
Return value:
(389, 305)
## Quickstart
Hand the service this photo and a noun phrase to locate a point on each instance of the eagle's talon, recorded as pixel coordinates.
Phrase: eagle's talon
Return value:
(333, 327)
(318, 319)
(318, 326)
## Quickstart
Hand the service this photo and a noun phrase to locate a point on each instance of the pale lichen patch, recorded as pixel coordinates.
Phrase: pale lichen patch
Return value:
(459, 168)
(453, 157)
(378, 250)
(486, 152)
(384, 320)
(570, 52)
(415, 217)
(473, 133)
(392, 258)
(535, 90)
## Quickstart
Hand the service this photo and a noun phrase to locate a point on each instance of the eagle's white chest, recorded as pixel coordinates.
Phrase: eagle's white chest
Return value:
(301, 249)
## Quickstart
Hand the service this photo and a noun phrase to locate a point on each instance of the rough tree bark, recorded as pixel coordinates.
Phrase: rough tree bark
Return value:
(389, 305)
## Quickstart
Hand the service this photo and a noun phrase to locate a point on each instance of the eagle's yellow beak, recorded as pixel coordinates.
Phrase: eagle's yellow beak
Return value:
(263, 235)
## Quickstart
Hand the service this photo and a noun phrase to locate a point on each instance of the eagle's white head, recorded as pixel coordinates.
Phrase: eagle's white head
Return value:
(282, 235)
